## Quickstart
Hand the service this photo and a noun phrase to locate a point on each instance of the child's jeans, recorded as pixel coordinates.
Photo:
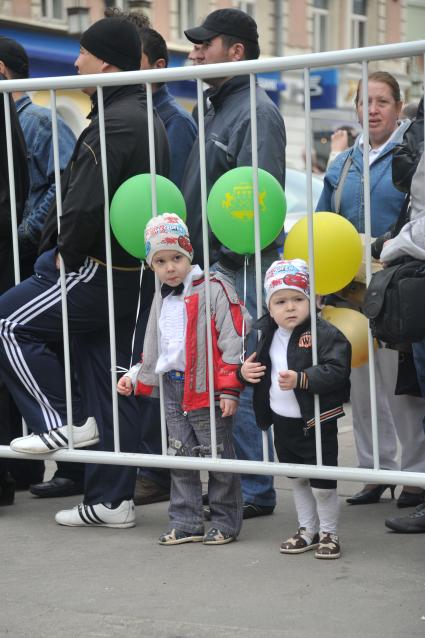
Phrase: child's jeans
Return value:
(189, 435)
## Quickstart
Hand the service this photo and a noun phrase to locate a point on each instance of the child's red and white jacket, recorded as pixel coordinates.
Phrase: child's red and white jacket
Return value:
(230, 321)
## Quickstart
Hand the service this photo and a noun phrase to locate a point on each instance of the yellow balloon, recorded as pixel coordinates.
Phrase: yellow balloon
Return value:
(337, 250)
(353, 325)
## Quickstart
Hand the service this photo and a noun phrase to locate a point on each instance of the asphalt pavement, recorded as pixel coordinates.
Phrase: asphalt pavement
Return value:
(102, 583)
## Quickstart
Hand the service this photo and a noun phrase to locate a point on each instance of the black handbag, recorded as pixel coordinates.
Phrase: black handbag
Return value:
(395, 303)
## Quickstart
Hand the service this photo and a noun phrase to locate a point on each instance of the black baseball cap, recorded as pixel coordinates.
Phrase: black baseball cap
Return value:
(224, 22)
(14, 56)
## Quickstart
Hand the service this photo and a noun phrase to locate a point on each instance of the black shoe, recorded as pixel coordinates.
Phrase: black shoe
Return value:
(412, 524)
(251, 510)
(370, 495)
(147, 491)
(410, 499)
(7, 489)
(57, 487)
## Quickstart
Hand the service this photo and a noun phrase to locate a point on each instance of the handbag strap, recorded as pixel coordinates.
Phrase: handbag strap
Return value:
(340, 186)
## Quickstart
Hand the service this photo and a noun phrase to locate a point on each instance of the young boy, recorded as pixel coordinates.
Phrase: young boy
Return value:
(182, 360)
(284, 395)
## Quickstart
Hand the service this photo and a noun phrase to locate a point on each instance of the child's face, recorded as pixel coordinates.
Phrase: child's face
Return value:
(289, 308)
(171, 267)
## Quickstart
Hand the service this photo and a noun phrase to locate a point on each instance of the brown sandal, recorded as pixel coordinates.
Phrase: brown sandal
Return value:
(297, 544)
(329, 546)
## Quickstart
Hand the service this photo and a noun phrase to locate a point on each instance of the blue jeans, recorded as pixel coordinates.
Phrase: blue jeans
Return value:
(419, 358)
(247, 436)
(189, 435)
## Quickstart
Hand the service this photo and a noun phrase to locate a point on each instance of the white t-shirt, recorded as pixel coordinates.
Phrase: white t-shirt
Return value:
(283, 402)
(172, 328)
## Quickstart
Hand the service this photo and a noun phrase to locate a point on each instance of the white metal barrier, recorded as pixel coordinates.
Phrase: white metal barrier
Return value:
(200, 73)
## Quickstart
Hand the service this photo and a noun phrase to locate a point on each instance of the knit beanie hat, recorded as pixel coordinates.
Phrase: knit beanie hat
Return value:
(116, 41)
(167, 232)
(287, 274)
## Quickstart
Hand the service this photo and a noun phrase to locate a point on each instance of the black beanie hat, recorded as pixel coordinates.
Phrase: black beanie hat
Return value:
(114, 40)
(14, 56)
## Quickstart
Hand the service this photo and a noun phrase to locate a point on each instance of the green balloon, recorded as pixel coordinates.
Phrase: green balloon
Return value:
(131, 209)
(230, 209)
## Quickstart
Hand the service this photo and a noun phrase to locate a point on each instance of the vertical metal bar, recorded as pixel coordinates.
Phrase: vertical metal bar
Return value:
(154, 205)
(12, 187)
(205, 245)
(109, 278)
(65, 328)
(308, 155)
(257, 231)
(367, 225)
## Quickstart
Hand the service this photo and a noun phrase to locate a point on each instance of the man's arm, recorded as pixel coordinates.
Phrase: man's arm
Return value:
(29, 231)
(182, 133)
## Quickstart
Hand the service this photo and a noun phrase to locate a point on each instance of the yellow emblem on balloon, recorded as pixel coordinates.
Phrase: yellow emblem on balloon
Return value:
(230, 209)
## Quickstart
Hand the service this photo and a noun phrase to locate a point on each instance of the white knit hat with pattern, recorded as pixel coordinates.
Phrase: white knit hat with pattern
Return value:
(289, 274)
(167, 232)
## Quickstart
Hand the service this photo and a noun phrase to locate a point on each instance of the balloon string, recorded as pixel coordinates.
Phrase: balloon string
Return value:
(137, 314)
(245, 264)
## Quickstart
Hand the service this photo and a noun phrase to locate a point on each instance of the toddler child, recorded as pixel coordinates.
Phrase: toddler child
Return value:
(182, 360)
(286, 382)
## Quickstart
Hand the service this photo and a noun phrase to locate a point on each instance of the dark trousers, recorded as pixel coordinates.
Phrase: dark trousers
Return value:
(30, 318)
(294, 445)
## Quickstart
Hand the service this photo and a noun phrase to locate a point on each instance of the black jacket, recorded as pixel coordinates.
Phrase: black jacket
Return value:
(82, 222)
(406, 158)
(406, 155)
(330, 379)
(21, 190)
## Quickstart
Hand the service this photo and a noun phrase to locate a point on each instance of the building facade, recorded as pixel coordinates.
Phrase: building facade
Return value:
(49, 29)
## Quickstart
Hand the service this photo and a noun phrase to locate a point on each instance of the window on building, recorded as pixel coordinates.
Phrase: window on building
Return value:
(358, 23)
(248, 7)
(320, 25)
(124, 5)
(186, 15)
(52, 9)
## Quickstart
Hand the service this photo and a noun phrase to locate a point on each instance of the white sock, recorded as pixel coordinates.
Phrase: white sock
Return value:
(327, 509)
(305, 504)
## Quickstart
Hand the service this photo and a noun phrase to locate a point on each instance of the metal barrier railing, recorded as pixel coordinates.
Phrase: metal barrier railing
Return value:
(200, 73)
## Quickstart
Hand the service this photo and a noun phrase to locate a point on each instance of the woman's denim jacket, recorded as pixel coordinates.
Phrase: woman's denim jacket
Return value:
(385, 200)
(36, 124)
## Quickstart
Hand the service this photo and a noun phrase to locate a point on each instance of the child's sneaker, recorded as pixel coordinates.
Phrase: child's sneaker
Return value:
(216, 537)
(329, 546)
(300, 542)
(177, 537)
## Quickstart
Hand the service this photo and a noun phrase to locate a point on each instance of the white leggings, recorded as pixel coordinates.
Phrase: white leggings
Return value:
(317, 509)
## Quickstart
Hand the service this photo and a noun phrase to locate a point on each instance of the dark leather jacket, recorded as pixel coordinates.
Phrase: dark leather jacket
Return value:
(330, 378)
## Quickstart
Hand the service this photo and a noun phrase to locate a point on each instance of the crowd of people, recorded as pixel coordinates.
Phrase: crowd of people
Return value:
(276, 383)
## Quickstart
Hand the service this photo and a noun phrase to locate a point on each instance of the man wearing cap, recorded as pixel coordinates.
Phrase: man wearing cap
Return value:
(36, 124)
(30, 313)
(230, 35)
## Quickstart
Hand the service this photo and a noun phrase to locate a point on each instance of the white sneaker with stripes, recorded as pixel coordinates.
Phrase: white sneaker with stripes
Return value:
(98, 515)
(83, 436)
